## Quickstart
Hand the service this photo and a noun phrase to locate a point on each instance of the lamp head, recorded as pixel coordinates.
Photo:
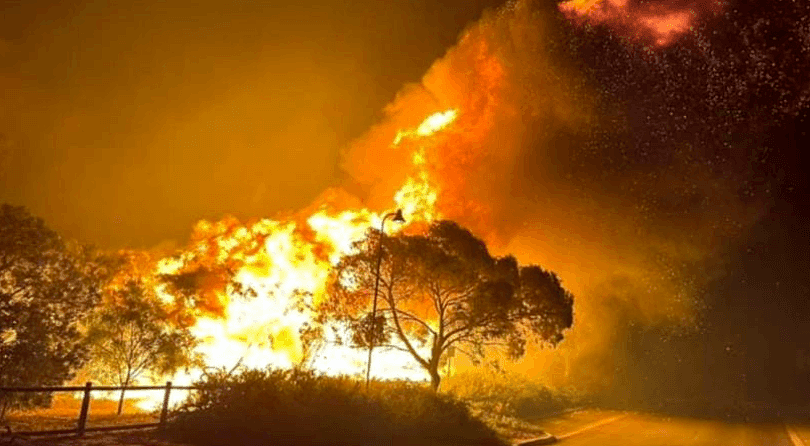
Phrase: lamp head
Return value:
(398, 216)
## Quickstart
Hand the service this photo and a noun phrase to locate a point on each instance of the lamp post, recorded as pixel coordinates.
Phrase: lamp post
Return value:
(399, 219)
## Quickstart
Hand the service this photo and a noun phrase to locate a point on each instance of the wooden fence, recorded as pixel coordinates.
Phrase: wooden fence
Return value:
(81, 422)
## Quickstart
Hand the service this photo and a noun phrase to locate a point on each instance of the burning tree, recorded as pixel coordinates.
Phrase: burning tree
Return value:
(133, 334)
(442, 290)
(47, 289)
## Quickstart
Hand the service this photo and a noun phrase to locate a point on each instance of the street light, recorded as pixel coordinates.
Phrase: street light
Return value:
(399, 219)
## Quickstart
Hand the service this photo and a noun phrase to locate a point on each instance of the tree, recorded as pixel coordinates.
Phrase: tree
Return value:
(442, 290)
(47, 289)
(133, 333)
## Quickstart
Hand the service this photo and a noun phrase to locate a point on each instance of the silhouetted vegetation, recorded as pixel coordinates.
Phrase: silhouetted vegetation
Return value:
(509, 394)
(47, 289)
(134, 334)
(444, 291)
(295, 407)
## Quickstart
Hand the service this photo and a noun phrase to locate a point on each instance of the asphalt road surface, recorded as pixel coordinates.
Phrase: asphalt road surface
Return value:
(629, 429)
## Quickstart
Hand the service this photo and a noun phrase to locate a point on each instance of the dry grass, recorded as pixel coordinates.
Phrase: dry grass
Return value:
(506, 426)
(64, 413)
(132, 438)
(509, 394)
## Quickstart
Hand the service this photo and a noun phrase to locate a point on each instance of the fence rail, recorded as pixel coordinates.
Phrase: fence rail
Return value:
(81, 422)
(99, 388)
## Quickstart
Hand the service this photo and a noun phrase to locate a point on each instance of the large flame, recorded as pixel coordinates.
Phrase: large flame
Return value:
(474, 141)
(285, 264)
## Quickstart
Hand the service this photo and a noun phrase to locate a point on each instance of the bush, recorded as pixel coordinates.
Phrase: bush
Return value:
(509, 394)
(295, 407)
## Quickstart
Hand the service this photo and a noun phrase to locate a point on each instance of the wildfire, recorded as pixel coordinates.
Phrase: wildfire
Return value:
(285, 265)
(429, 126)
(661, 22)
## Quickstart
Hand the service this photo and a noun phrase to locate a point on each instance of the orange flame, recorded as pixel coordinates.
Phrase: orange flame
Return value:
(285, 265)
(661, 23)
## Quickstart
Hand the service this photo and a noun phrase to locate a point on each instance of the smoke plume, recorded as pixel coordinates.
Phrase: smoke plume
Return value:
(536, 166)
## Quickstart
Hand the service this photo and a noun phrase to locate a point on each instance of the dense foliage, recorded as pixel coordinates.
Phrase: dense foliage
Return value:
(47, 289)
(296, 407)
(442, 292)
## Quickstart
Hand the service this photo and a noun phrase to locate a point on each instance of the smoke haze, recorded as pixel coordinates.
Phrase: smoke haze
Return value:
(530, 164)
(627, 169)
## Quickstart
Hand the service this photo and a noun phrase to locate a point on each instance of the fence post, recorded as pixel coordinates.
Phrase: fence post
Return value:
(165, 411)
(85, 408)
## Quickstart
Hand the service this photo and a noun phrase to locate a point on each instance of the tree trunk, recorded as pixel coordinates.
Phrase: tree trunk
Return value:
(433, 364)
(121, 400)
(435, 378)
(3, 407)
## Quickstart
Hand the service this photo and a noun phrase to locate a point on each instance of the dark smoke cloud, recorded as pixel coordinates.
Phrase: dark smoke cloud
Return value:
(721, 118)
(627, 169)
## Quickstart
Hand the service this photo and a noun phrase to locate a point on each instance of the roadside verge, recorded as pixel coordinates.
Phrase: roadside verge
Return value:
(550, 439)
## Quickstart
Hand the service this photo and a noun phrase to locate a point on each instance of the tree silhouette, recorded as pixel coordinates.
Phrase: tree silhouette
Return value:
(442, 290)
(47, 289)
(133, 334)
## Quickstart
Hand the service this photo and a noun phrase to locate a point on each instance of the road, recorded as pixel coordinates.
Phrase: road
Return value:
(637, 429)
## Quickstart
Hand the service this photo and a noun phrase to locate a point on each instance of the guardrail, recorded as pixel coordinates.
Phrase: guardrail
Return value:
(81, 423)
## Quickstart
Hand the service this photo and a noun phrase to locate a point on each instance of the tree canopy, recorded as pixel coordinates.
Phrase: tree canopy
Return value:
(47, 289)
(132, 334)
(444, 289)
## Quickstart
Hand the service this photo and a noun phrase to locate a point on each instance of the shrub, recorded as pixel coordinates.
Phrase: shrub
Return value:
(510, 394)
(295, 407)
